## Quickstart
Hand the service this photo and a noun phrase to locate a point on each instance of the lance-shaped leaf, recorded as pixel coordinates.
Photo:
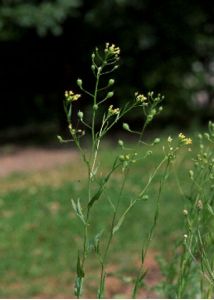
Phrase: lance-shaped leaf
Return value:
(101, 188)
(78, 210)
(119, 223)
(97, 241)
(121, 219)
(210, 209)
(96, 196)
(78, 286)
(80, 272)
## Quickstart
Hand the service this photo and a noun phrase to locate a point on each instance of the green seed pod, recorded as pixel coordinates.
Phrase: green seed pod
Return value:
(95, 107)
(126, 126)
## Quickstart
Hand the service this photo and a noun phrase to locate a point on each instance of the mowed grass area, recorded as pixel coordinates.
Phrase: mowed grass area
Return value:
(40, 234)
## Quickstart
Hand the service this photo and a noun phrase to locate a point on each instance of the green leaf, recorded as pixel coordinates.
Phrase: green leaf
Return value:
(78, 210)
(120, 222)
(121, 219)
(96, 196)
(80, 272)
(78, 286)
(101, 189)
(210, 209)
(142, 276)
(97, 241)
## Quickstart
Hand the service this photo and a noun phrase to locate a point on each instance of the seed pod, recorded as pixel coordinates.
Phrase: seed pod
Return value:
(126, 126)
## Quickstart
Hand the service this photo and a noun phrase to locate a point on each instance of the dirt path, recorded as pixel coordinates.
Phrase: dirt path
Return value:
(33, 159)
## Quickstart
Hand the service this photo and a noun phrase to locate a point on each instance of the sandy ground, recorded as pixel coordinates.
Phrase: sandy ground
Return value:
(33, 159)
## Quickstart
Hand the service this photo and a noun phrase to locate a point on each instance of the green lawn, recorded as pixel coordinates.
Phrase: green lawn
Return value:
(40, 234)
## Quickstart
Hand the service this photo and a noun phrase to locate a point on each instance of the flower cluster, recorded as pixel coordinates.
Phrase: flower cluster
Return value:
(140, 97)
(70, 96)
(112, 50)
(184, 139)
(113, 111)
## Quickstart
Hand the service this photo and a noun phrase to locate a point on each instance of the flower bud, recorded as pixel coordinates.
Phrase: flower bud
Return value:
(111, 81)
(145, 197)
(199, 204)
(207, 136)
(80, 114)
(169, 139)
(185, 212)
(120, 142)
(121, 157)
(156, 141)
(149, 118)
(93, 67)
(191, 174)
(59, 138)
(153, 111)
(79, 82)
(110, 94)
(95, 107)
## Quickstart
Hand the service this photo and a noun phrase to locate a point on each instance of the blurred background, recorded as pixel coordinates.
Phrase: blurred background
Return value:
(166, 46)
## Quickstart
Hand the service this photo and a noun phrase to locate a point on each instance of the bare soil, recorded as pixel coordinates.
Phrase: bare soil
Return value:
(32, 159)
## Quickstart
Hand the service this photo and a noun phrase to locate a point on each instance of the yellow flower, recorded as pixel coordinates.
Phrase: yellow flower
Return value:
(184, 139)
(181, 136)
(188, 141)
(70, 96)
(140, 97)
(113, 50)
(113, 111)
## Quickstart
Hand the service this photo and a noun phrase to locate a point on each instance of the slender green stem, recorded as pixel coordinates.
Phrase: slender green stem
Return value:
(146, 247)
(104, 257)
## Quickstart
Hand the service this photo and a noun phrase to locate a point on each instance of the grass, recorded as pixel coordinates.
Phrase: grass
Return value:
(39, 233)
